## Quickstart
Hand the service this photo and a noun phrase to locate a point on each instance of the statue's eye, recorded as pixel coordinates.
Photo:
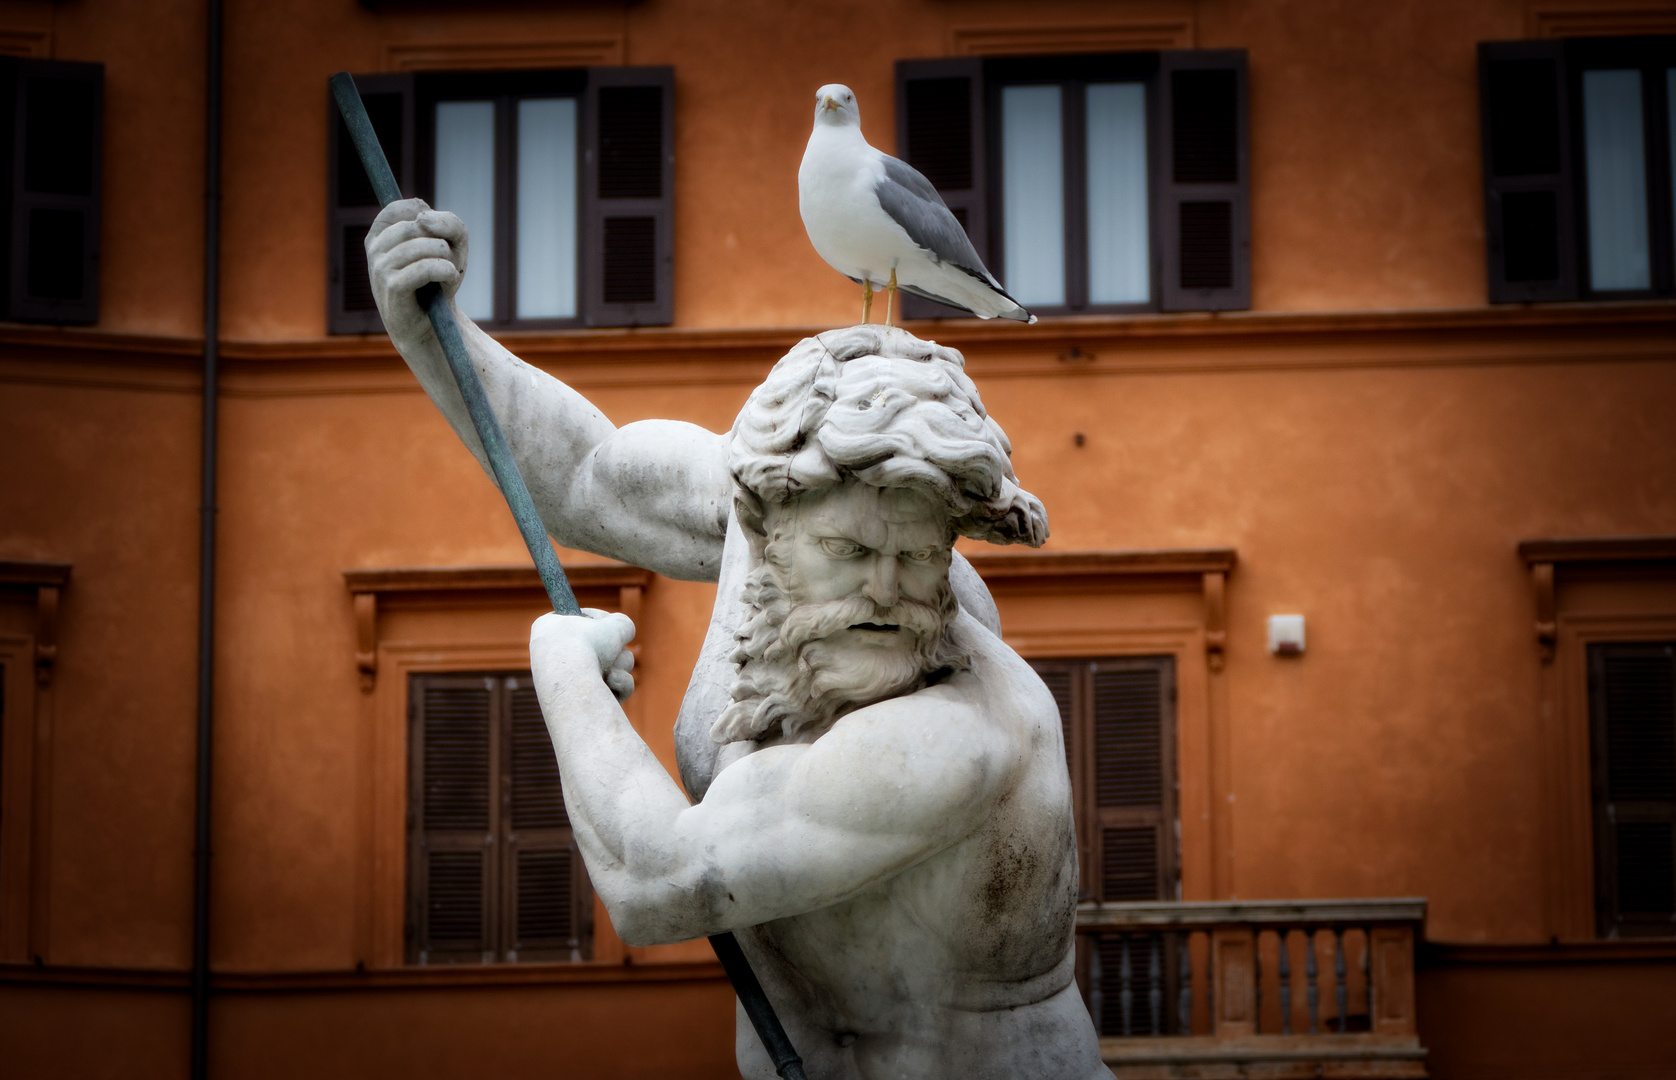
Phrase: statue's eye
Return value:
(840, 549)
(922, 555)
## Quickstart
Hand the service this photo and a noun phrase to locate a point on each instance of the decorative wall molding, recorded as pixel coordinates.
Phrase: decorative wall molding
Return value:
(1210, 566)
(1195, 344)
(452, 55)
(48, 580)
(1586, 591)
(368, 587)
(1543, 555)
(1133, 35)
(1615, 18)
(1041, 565)
(27, 665)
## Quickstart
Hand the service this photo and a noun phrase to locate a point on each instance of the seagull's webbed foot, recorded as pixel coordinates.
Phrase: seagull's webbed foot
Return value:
(866, 300)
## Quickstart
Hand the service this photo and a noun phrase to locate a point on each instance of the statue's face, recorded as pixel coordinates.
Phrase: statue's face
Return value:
(860, 541)
(851, 607)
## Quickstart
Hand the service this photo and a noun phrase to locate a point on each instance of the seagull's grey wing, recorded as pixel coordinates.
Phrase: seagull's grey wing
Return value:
(914, 204)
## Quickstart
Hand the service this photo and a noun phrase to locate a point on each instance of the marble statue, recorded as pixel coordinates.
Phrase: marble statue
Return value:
(876, 800)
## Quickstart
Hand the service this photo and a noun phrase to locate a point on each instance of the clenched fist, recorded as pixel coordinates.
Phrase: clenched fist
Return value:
(604, 635)
(408, 247)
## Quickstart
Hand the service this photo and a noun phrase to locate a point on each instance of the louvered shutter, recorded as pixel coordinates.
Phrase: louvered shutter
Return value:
(940, 131)
(351, 205)
(52, 140)
(1529, 210)
(1632, 705)
(451, 848)
(628, 199)
(1133, 776)
(548, 905)
(1118, 717)
(1203, 181)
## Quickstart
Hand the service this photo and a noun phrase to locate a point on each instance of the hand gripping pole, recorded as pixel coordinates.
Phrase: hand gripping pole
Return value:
(756, 1004)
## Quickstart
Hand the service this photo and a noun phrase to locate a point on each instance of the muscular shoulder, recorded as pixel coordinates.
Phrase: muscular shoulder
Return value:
(943, 753)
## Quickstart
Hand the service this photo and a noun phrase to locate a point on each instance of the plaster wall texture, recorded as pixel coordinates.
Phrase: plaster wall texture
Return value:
(1378, 488)
(1364, 197)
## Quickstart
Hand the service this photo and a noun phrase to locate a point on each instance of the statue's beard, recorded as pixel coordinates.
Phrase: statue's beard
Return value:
(794, 678)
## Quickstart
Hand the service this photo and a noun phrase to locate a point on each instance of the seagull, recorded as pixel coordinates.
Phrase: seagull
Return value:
(878, 221)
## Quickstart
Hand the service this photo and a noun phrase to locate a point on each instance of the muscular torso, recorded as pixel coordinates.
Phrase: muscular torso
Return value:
(958, 966)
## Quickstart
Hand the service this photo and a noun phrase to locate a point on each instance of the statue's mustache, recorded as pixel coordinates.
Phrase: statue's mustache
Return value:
(811, 621)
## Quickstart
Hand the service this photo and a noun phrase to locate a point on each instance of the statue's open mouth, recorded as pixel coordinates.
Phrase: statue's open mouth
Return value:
(882, 628)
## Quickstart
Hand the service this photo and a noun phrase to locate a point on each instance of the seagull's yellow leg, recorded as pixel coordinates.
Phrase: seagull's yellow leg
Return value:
(890, 296)
(866, 299)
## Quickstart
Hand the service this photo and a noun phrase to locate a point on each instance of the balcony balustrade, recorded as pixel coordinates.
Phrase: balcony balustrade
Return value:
(1278, 990)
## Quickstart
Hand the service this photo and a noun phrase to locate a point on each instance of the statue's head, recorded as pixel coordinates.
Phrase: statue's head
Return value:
(856, 464)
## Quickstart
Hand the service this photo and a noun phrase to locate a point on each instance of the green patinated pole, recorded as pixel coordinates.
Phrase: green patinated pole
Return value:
(751, 996)
(506, 472)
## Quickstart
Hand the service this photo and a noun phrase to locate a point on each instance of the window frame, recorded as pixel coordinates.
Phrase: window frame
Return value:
(505, 90)
(16, 301)
(1571, 57)
(502, 844)
(1610, 921)
(648, 272)
(1650, 56)
(1586, 592)
(984, 200)
(1073, 75)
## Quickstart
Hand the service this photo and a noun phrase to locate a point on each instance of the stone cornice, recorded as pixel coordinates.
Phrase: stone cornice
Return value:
(1072, 341)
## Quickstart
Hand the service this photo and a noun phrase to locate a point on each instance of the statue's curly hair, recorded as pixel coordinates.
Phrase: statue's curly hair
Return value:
(881, 406)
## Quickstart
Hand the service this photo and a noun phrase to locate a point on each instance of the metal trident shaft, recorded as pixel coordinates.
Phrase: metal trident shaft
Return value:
(756, 1004)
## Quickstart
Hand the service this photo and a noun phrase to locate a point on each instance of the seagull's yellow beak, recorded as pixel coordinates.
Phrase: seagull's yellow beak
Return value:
(828, 103)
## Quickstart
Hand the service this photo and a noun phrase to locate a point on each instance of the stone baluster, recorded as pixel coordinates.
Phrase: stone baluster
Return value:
(1285, 935)
(1341, 989)
(1155, 983)
(1257, 981)
(1312, 994)
(1126, 996)
(1367, 968)
(1184, 1002)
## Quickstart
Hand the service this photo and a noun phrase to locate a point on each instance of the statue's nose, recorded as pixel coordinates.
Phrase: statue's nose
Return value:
(883, 587)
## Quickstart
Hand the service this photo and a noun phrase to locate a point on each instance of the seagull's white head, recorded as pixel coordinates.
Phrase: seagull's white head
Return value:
(835, 105)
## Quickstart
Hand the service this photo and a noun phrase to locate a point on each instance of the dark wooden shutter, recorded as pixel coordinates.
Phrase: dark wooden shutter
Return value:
(548, 904)
(1133, 772)
(628, 197)
(1203, 181)
(1632, 713)
(1529, 209)
(451, 848)
(493, 869)
(351, 205)
(53, 116)
(940, 131)
(1118, 717)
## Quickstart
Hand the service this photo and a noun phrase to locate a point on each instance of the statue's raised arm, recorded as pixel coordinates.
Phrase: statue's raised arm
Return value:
(654, 493)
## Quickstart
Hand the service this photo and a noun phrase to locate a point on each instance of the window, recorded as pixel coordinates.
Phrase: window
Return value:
(1578, 145)
(564, 178)
(493, 870)
(1632, 724)
(1100, 183)
(1118, 717)
(51, 142)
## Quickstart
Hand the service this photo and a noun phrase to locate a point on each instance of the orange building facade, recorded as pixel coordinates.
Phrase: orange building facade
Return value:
(1466, 499)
